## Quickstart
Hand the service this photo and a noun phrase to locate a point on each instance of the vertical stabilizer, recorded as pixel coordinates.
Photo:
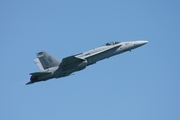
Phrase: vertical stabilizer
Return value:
(47, 61)
(38, 63)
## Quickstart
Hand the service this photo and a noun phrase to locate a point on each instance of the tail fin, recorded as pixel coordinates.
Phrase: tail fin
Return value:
(46, 61)
(38, 63)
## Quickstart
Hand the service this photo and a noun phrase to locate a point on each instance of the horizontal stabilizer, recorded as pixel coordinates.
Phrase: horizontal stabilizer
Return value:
(40, 73)
(29, 83)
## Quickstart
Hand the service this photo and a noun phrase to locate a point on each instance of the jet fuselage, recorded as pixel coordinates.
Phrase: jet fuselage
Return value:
(52, 68)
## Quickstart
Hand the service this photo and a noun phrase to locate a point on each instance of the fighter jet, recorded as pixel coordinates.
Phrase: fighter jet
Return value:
(53, 68)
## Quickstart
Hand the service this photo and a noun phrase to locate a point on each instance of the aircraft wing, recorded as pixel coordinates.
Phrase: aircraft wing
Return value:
(70, 60)
(40, 73)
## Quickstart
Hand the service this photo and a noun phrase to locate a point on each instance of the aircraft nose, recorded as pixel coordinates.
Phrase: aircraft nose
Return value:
(144, 42)
(140, 43)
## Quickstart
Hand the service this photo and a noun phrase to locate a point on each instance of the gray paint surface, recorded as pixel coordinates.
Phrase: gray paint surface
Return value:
(52, 68)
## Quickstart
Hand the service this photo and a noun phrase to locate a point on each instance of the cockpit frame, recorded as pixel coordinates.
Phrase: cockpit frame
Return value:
(112, 43)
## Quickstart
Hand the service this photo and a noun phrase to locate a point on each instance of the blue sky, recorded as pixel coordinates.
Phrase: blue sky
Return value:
(140, 85)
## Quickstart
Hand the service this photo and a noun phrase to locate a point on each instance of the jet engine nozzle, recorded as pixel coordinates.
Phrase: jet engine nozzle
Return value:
(34, 78)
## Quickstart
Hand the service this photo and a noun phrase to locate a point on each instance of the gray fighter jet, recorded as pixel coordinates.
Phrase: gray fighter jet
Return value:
(53, 68)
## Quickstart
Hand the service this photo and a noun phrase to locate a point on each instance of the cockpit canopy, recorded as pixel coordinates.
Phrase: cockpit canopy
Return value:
(111, 43)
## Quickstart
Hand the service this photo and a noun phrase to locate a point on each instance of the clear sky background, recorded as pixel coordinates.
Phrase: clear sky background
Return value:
(140, 85)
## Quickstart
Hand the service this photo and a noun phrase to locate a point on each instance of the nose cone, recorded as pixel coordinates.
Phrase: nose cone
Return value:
(143, 42)
(140, 43)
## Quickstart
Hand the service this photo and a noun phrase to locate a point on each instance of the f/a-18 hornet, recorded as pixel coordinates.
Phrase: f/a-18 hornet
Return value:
(53, 68)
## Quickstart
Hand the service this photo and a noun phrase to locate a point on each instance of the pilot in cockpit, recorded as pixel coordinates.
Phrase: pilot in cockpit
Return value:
(112, 43)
